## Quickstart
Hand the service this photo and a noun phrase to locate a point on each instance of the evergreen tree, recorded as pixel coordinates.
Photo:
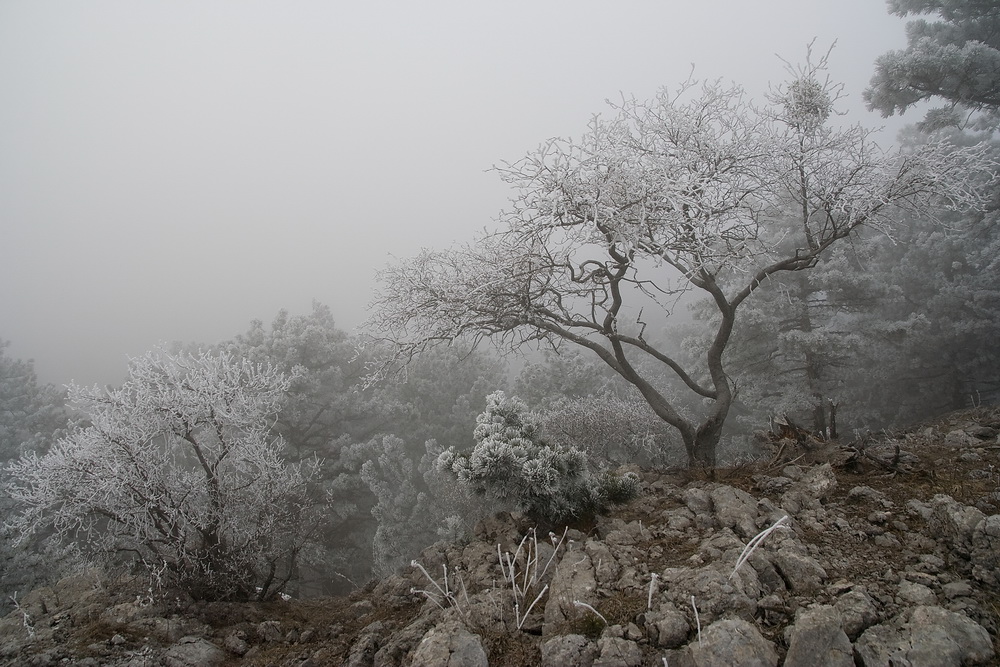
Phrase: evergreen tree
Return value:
(32, 417)
(955, 58)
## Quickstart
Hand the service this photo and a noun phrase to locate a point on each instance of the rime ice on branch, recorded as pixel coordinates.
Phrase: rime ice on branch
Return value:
(663, 196)
(178, 470)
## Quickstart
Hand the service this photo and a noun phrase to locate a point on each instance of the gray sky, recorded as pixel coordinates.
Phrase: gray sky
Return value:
(172, 170)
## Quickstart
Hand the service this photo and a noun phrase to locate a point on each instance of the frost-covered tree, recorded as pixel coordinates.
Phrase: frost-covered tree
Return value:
(32, 417)
(665, 196)
(178, 472)
(955, 58)
(401, 510)
(417, 504)
(331, 414)
(442, 393)
(325, 401)
(31, 414)
(564, 374)
(510, 463)
(796, 341)
(327, 417)
(884, 331)
(932, 337)
(581, 402)
(613, 429)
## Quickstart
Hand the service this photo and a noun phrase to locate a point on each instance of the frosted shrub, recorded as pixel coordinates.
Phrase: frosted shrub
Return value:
(178, 472)
(511, 464)
(613, 429)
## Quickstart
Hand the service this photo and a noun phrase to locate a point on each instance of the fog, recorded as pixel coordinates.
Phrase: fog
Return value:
(173, 170)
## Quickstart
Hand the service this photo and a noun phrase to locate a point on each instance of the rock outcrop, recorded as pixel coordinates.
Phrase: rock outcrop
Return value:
(866, 570)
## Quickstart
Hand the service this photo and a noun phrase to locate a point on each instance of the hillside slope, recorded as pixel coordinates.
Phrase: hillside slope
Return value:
(890, 551)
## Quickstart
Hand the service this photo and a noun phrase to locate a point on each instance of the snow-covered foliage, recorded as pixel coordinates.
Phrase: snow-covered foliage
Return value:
(31, 414)
(954, 58)
(416, 504)
(400, 509)
(511, 464)
(32, 417)
(582, 403)
(882, 332)
(676, 193)
(613, 430)
(179, 472)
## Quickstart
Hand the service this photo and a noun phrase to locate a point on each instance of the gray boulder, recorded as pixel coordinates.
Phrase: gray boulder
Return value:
(568, 650)
(363, 650)
(716, 595)
(818, 638)
(914, 593)
(804, 575)
(269, 631)
(954, 521)
(618, 652)
(986, 551)
(732, 643)
(932, 637)
(193, 652)
(959, 439)
(735, 509)
(449, 645)
(574, 580)
(697, 500)
(857, 612)
(399, 643)
(607, 569)
(667, 627)
(819, 482)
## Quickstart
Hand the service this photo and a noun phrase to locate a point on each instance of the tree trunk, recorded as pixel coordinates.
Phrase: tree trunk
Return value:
(701, 443)
(819, 417)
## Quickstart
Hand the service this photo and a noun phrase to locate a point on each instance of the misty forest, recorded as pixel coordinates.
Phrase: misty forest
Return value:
(669, 287)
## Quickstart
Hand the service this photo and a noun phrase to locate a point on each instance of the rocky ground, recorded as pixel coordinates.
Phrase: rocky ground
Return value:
(889, 555)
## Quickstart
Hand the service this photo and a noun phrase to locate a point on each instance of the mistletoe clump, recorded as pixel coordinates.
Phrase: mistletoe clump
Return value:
(511, 464)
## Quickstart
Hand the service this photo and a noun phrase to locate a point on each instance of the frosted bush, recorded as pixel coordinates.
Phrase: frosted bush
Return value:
(511, 464)
(178, 472)
(613, 429)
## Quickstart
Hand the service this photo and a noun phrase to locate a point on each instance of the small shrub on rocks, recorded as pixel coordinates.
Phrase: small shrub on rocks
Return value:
(511, 463)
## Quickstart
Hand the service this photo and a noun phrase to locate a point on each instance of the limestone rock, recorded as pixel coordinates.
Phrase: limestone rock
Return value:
(568, 650)
(618, 652)
(985, 554)
(953, 520)
(574, 580)
(235, 642)
(450, 645)
(857, 612)
(697, 500)
(732, 643)
(667, 627)
(735, 509)
(269, 631)
(818, 638)
(606, 567)
(868, 494)
(716, 595)
(959, 438)
(193, 652)
(916, 594)
(819, 482)
(932, 637)
(363, 650)
(804, 575)
(399, 643)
